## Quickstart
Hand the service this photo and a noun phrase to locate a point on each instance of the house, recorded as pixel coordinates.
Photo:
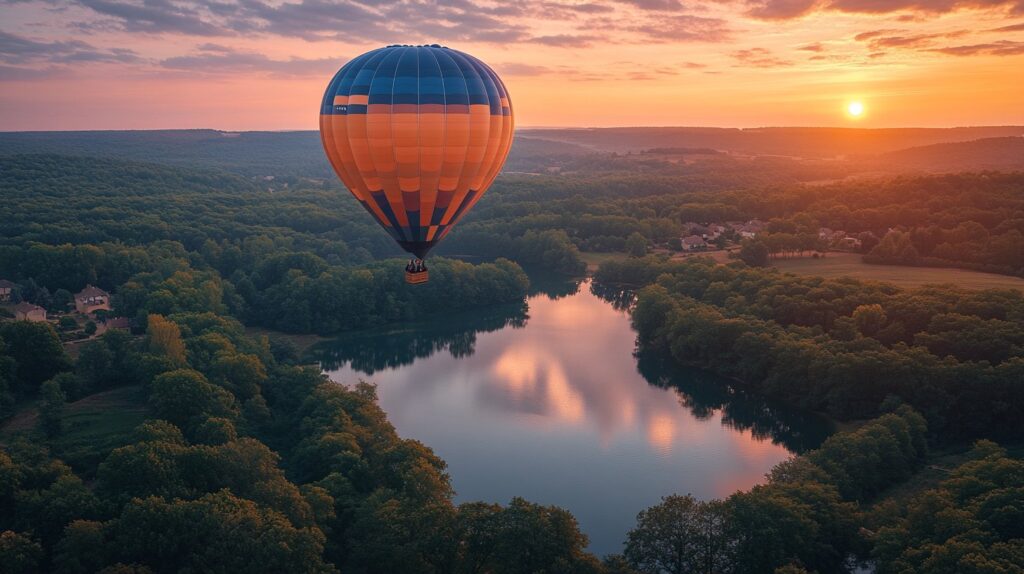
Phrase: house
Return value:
(28, 312)
(825, 233)
(698, 229)
(750, 229)
(715, 230)
(119, 323)
(851, 243)
(92, 299)
(747, 232)
(694, 243)
(6, 289)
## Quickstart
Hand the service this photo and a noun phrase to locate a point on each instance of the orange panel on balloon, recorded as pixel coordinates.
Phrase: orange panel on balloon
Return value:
(417, 134)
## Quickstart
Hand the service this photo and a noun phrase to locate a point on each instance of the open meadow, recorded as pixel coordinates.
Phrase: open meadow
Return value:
(850, 265)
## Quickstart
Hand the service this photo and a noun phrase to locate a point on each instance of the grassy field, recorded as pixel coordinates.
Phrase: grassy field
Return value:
(97, 424)
(93, 426)
(850, 264)
(302, 342)
(594, 260)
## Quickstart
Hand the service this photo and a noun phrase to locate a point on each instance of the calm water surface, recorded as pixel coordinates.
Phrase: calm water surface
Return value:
(548, 402)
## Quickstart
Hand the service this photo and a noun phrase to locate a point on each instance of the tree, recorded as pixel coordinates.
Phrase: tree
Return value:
(754, 253)
(67, 323)
(185, 398)
(522, 538)
(869, 319)
(678, 536)
(63, 300)
(90, 328)
(636, 245)
(51, 408)
(218, 532)
(766, 529)
(19, 554)
(82, 549)
(163, 338)
(37, 351)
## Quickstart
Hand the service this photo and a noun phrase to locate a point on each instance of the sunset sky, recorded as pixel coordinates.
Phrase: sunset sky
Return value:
(263, 64)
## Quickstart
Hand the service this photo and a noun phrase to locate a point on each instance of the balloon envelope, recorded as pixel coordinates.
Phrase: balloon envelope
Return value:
(417, 134)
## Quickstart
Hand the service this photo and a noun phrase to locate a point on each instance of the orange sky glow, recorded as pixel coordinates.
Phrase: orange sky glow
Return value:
(263, 64)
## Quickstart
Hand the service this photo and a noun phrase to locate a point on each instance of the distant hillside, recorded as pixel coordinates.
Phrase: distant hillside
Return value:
(292, 156)
(249, 153)
(800, 142)
(991, 153)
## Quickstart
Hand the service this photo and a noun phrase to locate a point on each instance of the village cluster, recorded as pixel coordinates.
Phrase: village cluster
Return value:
(88, 313)
(705, 236)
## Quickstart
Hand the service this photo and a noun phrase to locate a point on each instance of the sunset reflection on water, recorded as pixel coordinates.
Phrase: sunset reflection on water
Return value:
(556, 411)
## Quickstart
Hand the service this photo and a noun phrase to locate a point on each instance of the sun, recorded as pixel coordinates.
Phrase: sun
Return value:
(855, 109)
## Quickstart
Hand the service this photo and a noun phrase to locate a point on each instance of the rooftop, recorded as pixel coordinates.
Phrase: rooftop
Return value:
(91, 292)
(25, 307)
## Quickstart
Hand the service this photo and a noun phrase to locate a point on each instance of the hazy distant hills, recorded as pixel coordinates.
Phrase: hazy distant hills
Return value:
(985, 154)
(299, 154)
(797, 142)
(248, 153)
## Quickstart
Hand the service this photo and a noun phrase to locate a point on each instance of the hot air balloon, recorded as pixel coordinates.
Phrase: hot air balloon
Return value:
(417, 134)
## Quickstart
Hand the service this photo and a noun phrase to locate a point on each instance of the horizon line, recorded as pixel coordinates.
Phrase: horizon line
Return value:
(530, 128)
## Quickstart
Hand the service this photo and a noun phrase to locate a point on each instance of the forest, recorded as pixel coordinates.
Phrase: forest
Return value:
(226, 452)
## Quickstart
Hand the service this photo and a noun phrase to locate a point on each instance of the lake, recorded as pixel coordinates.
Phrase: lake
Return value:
(548, 401)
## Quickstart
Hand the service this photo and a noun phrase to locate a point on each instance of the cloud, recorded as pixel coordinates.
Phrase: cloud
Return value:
(215, 59)
(521, 69)
(875, 33)
(565, 40)
(385, 22)
(1010, 28)
(658, 5)
(16, 73)
(780, 9)
(1000, 48)
(156, 16)
(684, 28)
(788, 9)
(815, 47)
(921, 6)
(570, 11)
(880, 40)
(19, 50)
(759, 58)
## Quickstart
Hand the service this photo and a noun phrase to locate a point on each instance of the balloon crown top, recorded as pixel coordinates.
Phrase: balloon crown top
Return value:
(416, 46)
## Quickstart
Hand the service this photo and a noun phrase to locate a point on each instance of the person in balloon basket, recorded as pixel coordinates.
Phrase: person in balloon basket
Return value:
(416, 266)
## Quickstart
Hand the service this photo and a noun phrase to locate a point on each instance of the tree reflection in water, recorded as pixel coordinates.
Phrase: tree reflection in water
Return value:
(376, 350)
(702, 393)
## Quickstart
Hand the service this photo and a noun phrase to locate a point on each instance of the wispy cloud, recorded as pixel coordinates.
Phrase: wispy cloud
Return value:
(1010, 28)
(1000, 48)
(216, 59)
(16, 49)
(882, 42)
(684, 28)
(759, 58)
(565, 40)
(787, 9)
